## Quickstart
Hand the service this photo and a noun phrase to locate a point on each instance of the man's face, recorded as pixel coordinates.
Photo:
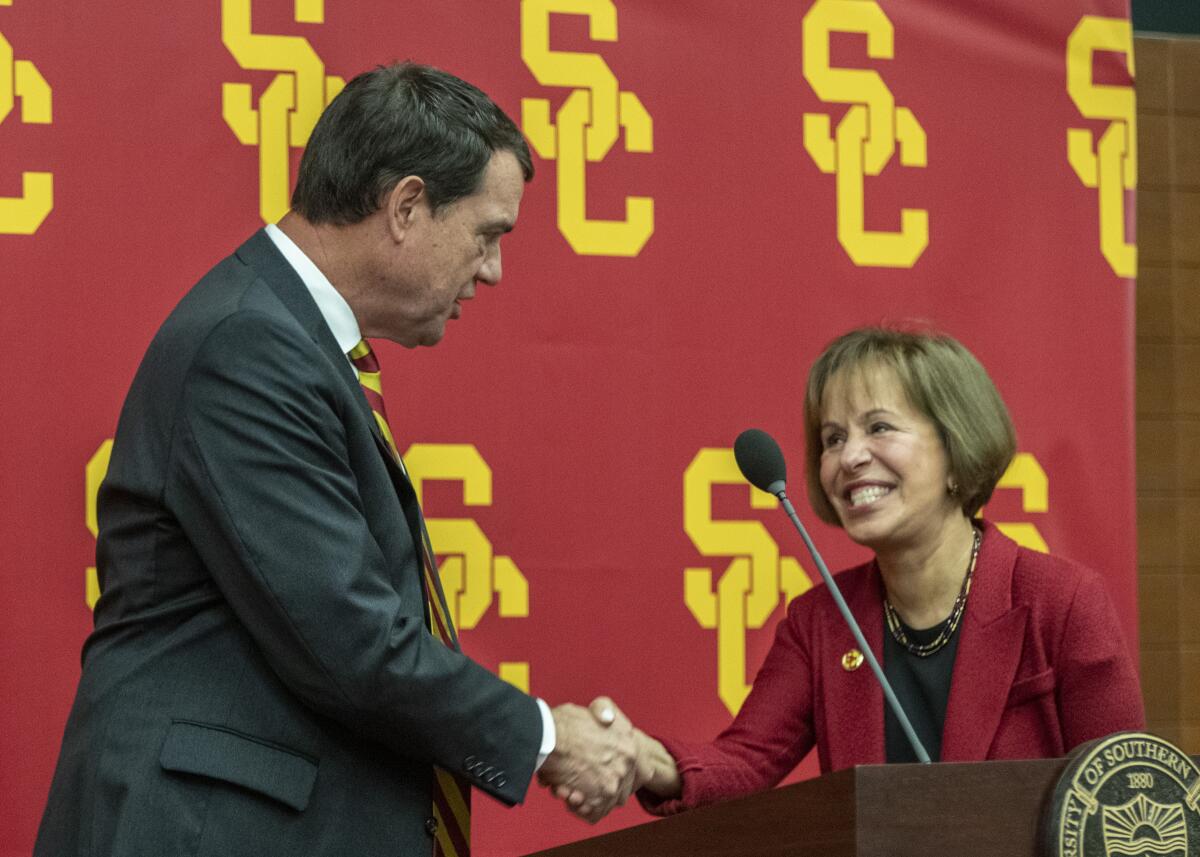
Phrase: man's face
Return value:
(425, 280)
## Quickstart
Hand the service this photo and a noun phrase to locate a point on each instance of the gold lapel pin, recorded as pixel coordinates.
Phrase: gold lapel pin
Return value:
(852, 660)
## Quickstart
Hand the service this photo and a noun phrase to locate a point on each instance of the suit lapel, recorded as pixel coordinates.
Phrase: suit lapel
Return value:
(261, 254)
(416, 520)
(989, 652)
(416, 525)
(853, 698)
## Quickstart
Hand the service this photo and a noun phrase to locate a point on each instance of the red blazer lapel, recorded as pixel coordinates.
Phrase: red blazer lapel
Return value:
(853, 699)
(989, 651)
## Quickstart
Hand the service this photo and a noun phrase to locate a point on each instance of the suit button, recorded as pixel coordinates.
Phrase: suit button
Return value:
(431, 826)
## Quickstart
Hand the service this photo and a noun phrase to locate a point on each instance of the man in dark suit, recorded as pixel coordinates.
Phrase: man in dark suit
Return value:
(262, 678)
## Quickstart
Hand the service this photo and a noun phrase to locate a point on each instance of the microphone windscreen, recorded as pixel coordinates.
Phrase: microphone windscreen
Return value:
(760, 459)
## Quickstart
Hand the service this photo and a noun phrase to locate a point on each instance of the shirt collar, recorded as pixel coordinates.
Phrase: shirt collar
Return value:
(332, 305)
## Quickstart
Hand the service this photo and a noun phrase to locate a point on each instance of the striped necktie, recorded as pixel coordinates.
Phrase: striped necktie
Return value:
(451, 794)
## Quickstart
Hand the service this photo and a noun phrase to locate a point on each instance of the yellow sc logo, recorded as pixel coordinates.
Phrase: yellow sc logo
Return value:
(867, 136)
(1110, 166)
(586, 126)
(20, 79)
(754, 582)
(288, 108)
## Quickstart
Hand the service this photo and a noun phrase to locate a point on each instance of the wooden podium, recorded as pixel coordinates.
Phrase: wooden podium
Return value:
(980, 809)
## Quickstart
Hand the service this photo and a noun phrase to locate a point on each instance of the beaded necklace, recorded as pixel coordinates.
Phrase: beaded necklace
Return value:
(924, 650)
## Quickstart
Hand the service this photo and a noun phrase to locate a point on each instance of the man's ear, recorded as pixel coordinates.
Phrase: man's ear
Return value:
(403, 204)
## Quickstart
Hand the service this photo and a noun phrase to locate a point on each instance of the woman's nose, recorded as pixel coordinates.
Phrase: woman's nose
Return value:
(855, 452)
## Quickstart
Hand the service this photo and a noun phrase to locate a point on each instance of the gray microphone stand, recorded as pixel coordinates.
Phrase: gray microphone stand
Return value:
(777, 488)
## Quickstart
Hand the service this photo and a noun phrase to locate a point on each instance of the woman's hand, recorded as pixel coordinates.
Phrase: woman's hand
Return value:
(654, 768)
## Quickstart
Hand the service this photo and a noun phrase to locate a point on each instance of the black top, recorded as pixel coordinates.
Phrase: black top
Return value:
(923, 687)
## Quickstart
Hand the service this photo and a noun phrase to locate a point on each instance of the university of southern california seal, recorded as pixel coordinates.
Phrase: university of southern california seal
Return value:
(1127, 795)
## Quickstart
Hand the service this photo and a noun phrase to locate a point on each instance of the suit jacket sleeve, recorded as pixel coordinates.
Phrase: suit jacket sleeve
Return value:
(262, 466)
(770, 735)
(1098, 689)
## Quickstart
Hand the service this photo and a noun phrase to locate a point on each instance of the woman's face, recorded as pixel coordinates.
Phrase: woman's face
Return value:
(883, 466)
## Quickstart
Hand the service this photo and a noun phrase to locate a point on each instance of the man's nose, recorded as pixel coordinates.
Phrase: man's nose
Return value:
(489, 271)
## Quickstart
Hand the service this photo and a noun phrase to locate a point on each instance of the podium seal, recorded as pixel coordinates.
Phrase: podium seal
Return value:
(1127, 795)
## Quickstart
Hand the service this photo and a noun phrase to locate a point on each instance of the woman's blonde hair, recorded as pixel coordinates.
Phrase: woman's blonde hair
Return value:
(943, 381)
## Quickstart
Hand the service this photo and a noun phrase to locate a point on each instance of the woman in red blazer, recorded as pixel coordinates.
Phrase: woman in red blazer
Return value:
(996, 651)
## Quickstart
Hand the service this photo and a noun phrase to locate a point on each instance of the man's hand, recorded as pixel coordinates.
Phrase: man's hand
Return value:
(592, 768)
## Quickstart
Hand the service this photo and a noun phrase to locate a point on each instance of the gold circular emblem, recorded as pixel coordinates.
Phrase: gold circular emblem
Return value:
(852, 660)
(1128, 795)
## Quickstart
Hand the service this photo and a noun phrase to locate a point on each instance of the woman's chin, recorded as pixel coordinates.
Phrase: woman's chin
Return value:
(867, 531)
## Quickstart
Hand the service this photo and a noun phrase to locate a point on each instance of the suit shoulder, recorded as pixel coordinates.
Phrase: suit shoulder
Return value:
(231, 287)
(1050, 584)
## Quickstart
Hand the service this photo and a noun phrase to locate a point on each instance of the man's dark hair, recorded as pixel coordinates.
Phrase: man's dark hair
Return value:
(395, 121)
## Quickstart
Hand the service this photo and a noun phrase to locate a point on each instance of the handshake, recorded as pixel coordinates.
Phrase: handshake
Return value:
(600, 759)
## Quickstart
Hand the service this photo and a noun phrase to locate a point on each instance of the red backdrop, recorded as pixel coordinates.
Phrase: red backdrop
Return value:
(613, 354)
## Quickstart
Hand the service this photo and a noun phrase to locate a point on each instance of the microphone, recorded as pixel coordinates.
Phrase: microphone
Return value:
(761, 462)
